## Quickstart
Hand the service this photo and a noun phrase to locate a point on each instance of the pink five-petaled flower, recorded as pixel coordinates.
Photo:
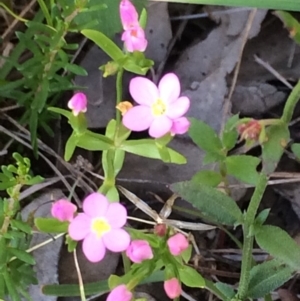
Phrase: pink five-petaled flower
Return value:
(119, 293)
(177, 244)
(78, 103)
(133, 35)
(100, 227)
(63, 210)
(139, 250)
(159, 107)
(172, 288)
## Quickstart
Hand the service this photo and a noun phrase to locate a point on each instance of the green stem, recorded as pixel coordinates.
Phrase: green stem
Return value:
(248, 236)
(119, 83)
(209, 285)
(290, 104)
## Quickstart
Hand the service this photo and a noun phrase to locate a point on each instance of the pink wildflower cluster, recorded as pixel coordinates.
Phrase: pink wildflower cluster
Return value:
(133, 35)
(160, 109)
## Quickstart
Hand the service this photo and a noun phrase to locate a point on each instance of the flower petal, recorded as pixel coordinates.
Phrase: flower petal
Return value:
(95, 205)
(116, 240)
(178, 108)
(93, 248)
(160, 126)
(143, 91)
(169, 88)
(116, 215)
(80, 226)
(138, 118)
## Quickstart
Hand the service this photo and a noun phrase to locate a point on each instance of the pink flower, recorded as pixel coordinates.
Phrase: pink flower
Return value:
(139, 250)
(119, 293)
(172, 288)
(128, 14)
(177, 244)
(134, 39)
(159, 107)
(63, 210)
(180, 126)
(78, 103)
(100, 227)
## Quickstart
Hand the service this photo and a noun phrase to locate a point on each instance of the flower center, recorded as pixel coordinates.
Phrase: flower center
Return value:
(158, 108)
(100, 226)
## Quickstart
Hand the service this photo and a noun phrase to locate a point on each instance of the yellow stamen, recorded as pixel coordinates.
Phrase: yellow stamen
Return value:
(158, 108)
(100, 226)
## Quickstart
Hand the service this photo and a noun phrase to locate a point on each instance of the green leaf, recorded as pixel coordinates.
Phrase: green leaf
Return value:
(11, 287)
(106, 44)
(207, 177)
(190, 277)
(186, 254)
(279, 244)
(143, 18)
(296, 150)
(70, 146)
(148, 148)
(243, 168)
(225, 289)
(291, 24)
(21, 226)
(270, 4)
(262, 217)
(68, 290)
(272, 150)
(22, 255)
(60, 111)
(51, 225)
(206, 138)
(113, 194)
(230, 134)
(78, 70)
(213, 204)
(94, 142)
(266, 277)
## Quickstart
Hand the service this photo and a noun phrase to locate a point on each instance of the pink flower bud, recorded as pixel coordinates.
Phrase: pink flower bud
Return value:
(177, 244)
(63, 210)
(78, 103)
(180, 126)
(172, 288)
(139, 250)
(128, 14)
(119, 293)
(160, 229)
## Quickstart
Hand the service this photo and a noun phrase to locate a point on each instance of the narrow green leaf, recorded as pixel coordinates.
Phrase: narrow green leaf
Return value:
(190, 277)
(22, 255)
(94, 142)
(292, 24)
(21, 226)
(213, 204)
(225, 289)
(70, 146)
(296, 150)
(272, 150)
(207, 177)
(78, 70)
(279, 244)
(68, 290)
(243, 168)
(205, 137)
(51, 225)
(266, 277)
(148, 148)
(11, 287)
(269, 4)
(106, 44)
